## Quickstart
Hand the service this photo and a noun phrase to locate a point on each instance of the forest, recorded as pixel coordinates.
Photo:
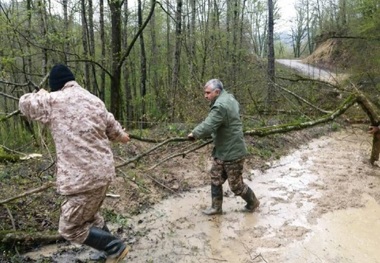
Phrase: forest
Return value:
(148, 61)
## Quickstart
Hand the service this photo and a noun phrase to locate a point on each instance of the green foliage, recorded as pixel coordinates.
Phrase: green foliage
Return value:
(111, 216)
(335, 126)
(178, 130)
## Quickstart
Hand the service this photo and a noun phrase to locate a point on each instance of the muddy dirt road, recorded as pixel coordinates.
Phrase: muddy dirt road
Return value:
(311, 71)
(318, 204)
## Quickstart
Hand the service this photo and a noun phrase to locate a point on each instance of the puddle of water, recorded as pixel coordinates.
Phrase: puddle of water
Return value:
(344, 236)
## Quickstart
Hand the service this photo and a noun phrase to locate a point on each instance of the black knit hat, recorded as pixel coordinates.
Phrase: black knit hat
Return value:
(59, 75)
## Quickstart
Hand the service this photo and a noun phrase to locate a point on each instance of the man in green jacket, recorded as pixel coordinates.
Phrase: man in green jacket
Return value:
(223, 124)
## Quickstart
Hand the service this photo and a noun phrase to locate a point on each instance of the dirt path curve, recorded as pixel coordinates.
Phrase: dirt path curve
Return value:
(312, 72)
(318, 204)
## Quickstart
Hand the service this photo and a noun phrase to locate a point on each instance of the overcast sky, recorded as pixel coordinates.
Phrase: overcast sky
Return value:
(287, 12)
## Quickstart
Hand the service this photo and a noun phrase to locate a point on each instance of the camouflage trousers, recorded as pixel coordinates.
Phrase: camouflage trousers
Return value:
(79, 213)
(231, 171)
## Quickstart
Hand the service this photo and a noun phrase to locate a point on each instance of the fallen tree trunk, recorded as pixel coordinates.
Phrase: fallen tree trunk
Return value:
(265, 131)
(375, 149)
(29, 238)
(374, 117)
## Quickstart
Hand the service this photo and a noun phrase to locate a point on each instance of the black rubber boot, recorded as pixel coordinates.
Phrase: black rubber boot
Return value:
(217, 201)
(105, 228)
(252, 201)
(100, 255)
(101, 240)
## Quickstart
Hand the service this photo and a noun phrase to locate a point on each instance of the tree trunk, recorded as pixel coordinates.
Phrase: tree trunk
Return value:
(29, 239)
(271, 67)
(161, 97)
(168, 53)
(374, 117)
(116, 58)
(93, 84)
(43, 30)
(103, 50)
(85, 44)
(127, 71)
(142, 69)
(177, 58)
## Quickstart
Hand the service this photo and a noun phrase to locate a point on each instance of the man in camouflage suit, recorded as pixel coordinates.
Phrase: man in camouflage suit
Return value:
(82, 129)
(223, 124)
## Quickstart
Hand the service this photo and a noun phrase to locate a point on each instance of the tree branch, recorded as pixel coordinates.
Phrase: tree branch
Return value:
(138, 157)
(183, 154)
(8, 96)
(302, 99)
(130, 46)
(299, 126)
(33, 191)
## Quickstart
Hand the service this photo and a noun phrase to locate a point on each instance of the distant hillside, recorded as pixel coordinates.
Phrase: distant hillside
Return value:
(330, 54)
(342, 54)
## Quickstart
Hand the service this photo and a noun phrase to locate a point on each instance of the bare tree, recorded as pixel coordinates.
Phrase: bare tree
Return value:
(177, 57)
(127, 70)
(299, 30)
(94, 83)
(115, 7)
(258, 15)
(142, 69)
(271, 67)
(85, 44)
(43, 32)
(103, 49)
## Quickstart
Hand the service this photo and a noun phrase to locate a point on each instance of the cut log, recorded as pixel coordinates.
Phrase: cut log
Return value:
(29, 238)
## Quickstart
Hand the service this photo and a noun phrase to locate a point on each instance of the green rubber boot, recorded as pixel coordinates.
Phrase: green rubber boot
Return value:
(252, 201)
(217, 201)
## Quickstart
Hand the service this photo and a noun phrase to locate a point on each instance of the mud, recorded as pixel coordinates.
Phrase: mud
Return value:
(318, 204)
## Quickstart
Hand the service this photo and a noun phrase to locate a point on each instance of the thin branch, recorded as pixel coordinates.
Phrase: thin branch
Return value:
(302, 99)
(260, 256)
(93, 62)
(133, 181)
(151, 178)
(302, 78)
(144, 139)
(44, 79)
(8, 96)
(139, 32)
(183, 154)
(167, 12)
(12, 151)
(33, 191)
(11, 218)
(138, 157)
(10, 115)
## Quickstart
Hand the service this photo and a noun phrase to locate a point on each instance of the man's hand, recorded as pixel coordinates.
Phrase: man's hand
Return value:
(373, 129)
(124, 138)
(191, 137)
(42, 91)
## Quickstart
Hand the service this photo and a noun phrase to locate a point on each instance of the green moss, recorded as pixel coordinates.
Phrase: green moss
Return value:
(6, 158)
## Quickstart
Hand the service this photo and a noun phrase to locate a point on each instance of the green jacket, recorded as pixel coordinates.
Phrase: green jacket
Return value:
(223, 124)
